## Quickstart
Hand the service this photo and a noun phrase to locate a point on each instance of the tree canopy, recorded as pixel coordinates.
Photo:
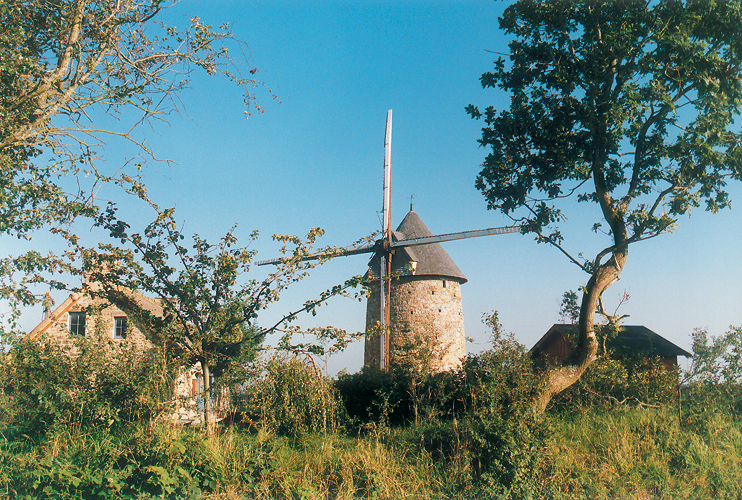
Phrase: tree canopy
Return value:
(629, 105)
(64, 65)
(210, 306)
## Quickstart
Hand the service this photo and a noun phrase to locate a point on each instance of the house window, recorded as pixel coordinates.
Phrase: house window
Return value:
(77, 323)
(119, 327)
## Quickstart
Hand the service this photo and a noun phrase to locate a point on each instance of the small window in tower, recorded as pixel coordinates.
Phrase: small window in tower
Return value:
(444, 283)
(439, 310)
(432, 293)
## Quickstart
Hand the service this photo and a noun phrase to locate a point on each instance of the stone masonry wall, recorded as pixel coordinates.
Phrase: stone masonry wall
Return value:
(427, 324)
(101, 321)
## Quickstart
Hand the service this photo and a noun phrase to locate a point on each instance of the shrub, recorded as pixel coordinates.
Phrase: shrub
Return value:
(374, 398)
(626, 380)
(291, 397)
(93, 382)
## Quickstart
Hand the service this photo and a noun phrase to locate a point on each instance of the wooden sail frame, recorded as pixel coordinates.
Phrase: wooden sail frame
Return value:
(384, 247)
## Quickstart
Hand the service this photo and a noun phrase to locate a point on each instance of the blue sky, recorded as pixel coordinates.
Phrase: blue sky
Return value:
(316, 159)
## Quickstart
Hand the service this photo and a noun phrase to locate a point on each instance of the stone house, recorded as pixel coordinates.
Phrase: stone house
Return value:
(82, 315)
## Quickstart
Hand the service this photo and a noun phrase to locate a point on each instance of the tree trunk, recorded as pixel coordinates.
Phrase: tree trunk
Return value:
(560, 378)
(207, 397)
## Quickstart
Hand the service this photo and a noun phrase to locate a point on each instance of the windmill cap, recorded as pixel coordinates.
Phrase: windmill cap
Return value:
(430, 260)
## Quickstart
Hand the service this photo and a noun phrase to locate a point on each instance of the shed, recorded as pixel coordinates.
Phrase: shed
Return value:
(556, 346)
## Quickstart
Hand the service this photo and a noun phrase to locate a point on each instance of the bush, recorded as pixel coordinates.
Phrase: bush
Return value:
(290, 398)
(626, 380)
(477, 421)
(95, 382)
(374, 398)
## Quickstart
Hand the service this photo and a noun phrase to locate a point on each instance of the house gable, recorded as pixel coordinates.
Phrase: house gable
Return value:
(100, 319)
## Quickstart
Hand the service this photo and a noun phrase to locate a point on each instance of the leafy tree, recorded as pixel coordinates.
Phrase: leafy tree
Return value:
(209, 308)
(63, 65)
(627, 105)
(717, 360)
(713, 382)
(569, 310)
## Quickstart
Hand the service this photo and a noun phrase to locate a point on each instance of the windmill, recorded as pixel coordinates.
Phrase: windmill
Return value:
(411, 233)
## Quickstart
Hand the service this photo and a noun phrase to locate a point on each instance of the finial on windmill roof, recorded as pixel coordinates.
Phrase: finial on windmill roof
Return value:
(411, 196)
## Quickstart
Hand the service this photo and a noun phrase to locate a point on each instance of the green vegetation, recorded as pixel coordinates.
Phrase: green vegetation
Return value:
(631, 107)
(91, 420)
(617, 433)
(66, 68)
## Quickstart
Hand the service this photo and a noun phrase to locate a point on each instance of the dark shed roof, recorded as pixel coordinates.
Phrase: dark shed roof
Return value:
(429, 260)
(631, 339)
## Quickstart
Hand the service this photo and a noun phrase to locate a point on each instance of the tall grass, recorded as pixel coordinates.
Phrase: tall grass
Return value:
(644, 453)
(632, 453)
(172, 462)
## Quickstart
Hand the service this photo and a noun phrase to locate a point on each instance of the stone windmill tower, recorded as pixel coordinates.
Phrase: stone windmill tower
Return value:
(425, 310)
(415, 299)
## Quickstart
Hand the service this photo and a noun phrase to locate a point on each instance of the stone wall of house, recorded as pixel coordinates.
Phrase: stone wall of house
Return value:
(427, 324)
(99, 321)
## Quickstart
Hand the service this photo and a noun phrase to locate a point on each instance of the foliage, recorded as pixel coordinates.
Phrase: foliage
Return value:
(65, 68)
(569, 309)
(374, 399)
(713, 382)
(167, 462)
(621, 453)
(291, 398)
(717, 362)
(627, 105)
(478, 420)
(613, 381)
(209, 310)
(92, 382)
(639, 453)
(477, 438)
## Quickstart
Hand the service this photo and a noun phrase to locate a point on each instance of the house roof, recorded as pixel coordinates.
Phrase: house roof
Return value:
(419, 260)
(63, 308)
(631, 339)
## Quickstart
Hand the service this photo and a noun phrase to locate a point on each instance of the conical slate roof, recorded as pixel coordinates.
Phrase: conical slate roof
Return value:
(419, 260)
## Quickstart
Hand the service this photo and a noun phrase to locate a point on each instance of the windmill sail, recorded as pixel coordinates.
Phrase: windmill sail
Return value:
(418, 255)
(401, 243)
(340, 252)
(438, 238)
(386, 257)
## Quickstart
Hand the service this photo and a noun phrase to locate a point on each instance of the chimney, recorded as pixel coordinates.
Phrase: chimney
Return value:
(47, 303)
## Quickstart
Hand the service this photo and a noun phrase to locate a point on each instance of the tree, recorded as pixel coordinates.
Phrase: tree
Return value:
(628, 105)
(718, 361)
(209, 310)
(63, 65)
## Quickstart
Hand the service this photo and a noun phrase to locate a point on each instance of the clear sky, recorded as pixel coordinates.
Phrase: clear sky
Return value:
(316, 159)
